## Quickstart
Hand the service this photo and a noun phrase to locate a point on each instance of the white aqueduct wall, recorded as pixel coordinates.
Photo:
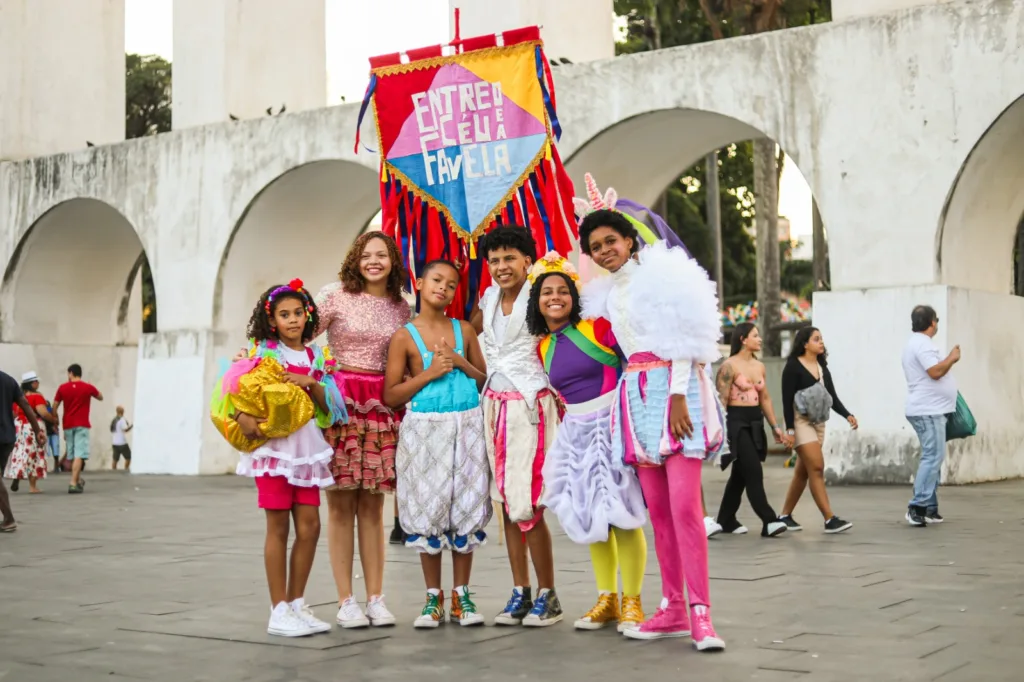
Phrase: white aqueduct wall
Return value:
(912, 149)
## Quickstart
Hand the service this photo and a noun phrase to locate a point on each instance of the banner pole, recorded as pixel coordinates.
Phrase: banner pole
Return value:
(458, 33)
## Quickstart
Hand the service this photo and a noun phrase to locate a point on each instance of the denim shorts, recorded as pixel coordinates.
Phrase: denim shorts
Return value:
(77, 442)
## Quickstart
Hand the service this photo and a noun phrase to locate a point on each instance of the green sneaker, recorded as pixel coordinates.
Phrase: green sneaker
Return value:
(464, 610)
(432, 614)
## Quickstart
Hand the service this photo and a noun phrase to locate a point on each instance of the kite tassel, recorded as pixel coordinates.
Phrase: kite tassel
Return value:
(370, 89)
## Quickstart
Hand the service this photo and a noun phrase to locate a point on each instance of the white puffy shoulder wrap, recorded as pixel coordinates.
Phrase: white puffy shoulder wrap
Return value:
(676, 305)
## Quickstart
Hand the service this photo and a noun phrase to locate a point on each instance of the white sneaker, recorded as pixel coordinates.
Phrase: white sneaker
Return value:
(351, 616)
(711, 527)
(740, 530)
(775, 528)
(306, 615)
(378, 613)
(284, 623)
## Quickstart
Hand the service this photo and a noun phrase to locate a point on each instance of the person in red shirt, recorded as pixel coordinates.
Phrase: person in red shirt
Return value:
(76, 395)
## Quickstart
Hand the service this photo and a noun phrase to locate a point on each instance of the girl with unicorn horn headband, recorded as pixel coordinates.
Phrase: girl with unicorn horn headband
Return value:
(666, 418)
(596, 498)
(650, 227)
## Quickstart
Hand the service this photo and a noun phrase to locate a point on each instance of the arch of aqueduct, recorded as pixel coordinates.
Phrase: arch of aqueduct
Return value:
(908, 124)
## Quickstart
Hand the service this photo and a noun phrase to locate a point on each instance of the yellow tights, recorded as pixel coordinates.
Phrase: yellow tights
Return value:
(624, 550)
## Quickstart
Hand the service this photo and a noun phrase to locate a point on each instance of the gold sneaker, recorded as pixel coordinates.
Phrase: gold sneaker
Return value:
(632, 613)
(604, 612)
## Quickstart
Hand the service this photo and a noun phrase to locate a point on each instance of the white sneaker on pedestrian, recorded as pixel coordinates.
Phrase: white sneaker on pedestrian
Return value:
(284, 622)
(712, 527)
(306, 615)
(351, 616)
(377, 612)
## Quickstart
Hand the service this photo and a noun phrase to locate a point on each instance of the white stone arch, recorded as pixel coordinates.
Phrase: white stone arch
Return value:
(983, 209)
(300, 224)
(639, 156)
(74, 278)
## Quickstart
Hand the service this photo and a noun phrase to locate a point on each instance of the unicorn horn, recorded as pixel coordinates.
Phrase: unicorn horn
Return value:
(593, 193)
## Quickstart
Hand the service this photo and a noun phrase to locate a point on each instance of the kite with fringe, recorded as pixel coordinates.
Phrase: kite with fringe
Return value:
(466, 138)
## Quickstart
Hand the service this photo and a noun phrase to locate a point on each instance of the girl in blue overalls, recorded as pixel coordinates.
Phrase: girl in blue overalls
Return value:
(442, 472)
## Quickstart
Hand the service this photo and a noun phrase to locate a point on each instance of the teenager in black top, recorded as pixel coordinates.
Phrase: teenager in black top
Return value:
(806, 366)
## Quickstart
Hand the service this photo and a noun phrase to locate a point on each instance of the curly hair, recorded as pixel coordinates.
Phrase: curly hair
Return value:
(352, 279)
(535, 321)
(607, 218)
(509, 237)
(260, 327)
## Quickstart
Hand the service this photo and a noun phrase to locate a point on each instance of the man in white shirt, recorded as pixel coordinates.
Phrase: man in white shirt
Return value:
(931, 395)
(118, 430)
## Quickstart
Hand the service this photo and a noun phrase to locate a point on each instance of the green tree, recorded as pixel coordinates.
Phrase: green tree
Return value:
(687, 214)
(147, 95)
(147, 112)
(653, 24)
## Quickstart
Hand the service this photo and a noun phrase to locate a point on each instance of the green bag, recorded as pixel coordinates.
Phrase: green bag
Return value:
(960, 424)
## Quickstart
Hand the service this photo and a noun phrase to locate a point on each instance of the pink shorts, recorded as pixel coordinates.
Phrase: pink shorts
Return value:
(276, 493)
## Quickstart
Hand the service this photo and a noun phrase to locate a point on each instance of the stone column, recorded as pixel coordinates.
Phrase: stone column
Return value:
(62, 76)
(241, 57)
(579, 30)
(173, 433)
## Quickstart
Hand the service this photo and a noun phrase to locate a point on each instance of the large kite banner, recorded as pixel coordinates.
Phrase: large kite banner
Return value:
(466, 142)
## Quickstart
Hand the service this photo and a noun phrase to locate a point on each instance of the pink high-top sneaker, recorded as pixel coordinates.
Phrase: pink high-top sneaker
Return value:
(668, 621)
(704, 636)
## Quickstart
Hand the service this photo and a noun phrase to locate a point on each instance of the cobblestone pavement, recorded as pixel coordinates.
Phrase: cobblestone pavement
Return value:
(161, 578)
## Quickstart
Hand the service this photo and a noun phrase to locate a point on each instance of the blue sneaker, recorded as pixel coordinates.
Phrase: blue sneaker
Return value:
(547, 610)
(516, 609)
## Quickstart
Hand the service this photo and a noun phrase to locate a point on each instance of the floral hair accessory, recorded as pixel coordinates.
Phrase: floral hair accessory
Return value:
(553, 262)
(297, 286)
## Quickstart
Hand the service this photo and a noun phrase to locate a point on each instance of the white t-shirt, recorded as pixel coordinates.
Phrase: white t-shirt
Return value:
(926, 396)
(499, 382)
(117, 437)
(299, 358)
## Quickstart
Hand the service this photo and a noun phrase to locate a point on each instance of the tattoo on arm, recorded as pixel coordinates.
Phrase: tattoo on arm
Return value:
(724, 382)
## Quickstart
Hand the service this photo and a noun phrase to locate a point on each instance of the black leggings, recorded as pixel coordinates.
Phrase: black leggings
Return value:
(746, 470)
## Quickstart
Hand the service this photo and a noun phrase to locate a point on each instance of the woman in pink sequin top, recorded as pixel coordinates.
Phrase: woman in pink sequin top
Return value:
(359, 315)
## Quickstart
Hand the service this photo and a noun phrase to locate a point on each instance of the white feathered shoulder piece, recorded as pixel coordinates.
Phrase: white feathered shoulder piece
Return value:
(594, 297)
(675, 304)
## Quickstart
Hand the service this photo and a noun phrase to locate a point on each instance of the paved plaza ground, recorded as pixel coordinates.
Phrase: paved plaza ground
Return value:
(161, 578)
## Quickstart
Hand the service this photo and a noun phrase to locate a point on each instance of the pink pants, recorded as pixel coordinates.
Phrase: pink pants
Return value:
(672, 493)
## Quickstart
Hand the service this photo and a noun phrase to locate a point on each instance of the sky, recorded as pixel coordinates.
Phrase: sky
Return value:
(355, 33)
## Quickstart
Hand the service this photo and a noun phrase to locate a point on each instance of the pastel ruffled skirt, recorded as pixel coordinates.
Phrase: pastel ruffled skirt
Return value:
(303, 458)
(586, 486)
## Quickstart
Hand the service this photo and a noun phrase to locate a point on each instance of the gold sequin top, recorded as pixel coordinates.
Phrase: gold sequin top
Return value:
(359, 326)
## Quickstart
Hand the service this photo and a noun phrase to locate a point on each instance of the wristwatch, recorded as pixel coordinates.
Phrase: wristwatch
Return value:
(790, 432)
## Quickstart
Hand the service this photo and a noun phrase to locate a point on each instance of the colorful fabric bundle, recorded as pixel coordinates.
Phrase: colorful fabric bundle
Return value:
(257, 386)
(467, 145)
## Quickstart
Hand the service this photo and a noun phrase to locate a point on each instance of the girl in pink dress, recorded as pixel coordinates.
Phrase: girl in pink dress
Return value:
(360, 314)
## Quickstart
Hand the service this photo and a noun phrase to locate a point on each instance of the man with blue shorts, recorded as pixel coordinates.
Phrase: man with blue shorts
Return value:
(76, 395)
